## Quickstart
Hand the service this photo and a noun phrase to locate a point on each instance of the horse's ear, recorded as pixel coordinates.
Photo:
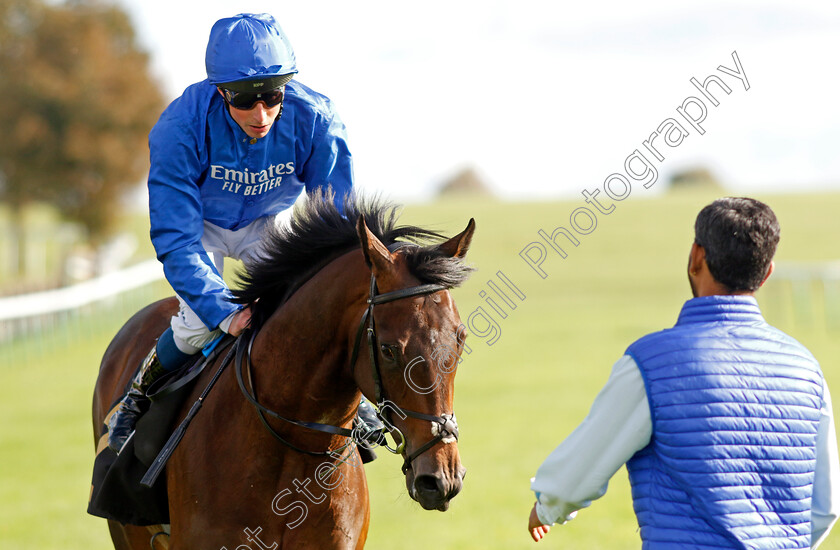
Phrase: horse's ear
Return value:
(458, 245)
(376, 254)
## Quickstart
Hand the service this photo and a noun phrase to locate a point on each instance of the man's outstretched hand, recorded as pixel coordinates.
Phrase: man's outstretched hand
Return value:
(536, 527)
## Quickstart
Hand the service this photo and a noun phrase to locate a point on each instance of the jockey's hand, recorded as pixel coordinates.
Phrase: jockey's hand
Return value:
(535, 526)
(240, 321)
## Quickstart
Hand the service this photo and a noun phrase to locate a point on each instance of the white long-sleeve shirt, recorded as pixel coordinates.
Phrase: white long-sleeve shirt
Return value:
(619, 424)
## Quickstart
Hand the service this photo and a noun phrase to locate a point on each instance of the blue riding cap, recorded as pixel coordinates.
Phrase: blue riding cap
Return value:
(249, 47)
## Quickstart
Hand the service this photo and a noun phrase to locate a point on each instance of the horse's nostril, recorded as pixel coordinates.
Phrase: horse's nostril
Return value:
(428, 484)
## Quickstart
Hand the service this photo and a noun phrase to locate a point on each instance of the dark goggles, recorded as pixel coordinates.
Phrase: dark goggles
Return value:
(245, 101)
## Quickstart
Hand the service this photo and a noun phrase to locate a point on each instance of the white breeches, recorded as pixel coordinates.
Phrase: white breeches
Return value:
(191, 335)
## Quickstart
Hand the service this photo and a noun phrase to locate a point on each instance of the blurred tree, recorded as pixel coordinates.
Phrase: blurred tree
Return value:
(466, 183)
(76, 104)
(698, 177)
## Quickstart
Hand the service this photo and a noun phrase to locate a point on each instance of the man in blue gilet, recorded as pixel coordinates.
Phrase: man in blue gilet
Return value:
(724, 422)
(227, 156)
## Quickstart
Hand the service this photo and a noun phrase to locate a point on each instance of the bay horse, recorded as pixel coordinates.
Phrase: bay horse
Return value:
(316, 345)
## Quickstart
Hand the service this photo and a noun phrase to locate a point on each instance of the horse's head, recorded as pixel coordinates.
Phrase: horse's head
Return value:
(414, 338)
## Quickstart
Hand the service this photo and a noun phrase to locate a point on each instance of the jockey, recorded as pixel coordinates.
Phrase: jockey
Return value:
(227, 156)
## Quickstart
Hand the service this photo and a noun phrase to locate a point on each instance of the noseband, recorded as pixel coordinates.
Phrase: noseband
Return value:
(444, 427)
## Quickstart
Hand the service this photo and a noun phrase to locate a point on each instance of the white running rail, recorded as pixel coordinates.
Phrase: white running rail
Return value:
(78, 295)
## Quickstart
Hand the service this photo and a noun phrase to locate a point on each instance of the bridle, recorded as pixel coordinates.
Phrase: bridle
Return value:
(445, 427)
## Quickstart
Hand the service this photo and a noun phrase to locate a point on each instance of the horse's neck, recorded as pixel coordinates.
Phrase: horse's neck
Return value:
(301, 352)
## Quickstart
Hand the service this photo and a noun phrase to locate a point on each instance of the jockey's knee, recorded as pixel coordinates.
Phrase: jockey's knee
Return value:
(191, 335)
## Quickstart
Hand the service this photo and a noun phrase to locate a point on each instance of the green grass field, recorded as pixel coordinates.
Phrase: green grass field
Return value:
(515, 400)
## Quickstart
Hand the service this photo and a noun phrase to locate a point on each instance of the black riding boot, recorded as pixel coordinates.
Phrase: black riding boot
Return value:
(370, 429)
(135, 403)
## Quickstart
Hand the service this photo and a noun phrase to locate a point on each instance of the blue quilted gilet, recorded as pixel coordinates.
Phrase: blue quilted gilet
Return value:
(735, 406)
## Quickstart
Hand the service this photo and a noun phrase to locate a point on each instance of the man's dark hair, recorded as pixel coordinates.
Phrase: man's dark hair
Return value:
(739, 236)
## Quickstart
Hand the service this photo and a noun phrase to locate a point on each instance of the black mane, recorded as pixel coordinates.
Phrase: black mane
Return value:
(318, 233)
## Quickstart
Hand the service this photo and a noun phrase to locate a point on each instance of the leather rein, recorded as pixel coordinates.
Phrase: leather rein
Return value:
(444, 427)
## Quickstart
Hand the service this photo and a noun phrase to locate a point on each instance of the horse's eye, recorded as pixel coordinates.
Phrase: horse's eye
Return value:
(388, 352)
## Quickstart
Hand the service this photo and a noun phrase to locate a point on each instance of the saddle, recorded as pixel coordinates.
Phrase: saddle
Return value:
(116, 491)
(121, 489)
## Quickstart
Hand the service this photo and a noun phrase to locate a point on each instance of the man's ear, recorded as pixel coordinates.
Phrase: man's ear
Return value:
(696, 258)
(769, 272)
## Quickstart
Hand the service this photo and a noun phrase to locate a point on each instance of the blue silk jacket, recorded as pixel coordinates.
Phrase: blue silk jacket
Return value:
(205, 168)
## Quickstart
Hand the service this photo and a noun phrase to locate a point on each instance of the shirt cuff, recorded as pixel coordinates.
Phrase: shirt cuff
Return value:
(225, 324)
(549, 516)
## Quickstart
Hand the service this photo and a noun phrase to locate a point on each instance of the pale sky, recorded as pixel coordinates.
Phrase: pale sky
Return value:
(545, 99)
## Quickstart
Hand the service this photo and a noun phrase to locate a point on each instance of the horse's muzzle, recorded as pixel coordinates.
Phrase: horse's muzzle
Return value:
(434, 492)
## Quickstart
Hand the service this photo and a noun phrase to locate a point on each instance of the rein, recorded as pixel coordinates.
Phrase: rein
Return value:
(262, 410)
(443, 427)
